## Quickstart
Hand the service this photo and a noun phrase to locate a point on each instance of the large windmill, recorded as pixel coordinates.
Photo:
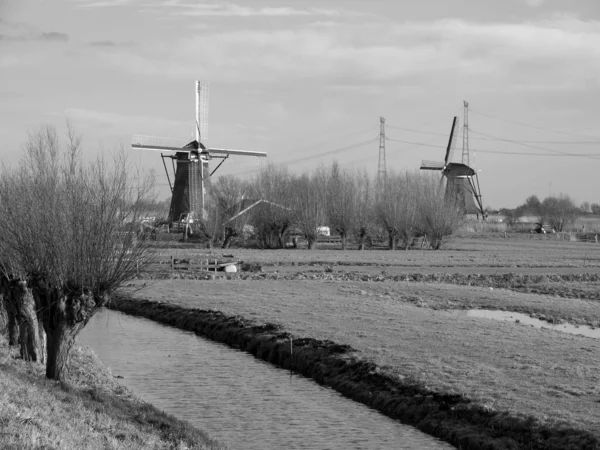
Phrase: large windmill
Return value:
(190, 161)
(461, 179)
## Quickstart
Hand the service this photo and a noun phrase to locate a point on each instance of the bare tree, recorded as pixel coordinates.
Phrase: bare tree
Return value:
(389, 197)
(275, 215)
(441, 215)
(364, 211)
(229, 194)
(341, 202)
(64, 232)
(309, 206)
(408, 221)
(559, 211)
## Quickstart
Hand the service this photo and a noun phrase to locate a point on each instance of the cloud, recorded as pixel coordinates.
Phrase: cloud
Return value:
(124, 122)
(535, 3)
(200, 9)
(20, 32)
(109, 43)
(551, 52)
(105, 3)
(233, 10)
(54, 36)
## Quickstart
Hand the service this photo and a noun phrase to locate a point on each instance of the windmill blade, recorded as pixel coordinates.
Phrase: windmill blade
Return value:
(450, 140)
(226, 151)
(142, 142)
(201, 110)
(454, 140)
(431, 165)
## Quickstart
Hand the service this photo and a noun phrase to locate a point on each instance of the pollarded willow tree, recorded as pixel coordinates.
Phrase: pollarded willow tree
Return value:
(341, 201)
(231, 195)
(275, 215)
(363, 223)
(441, 213)
(65, 232)
(388, 207)
(309, 205)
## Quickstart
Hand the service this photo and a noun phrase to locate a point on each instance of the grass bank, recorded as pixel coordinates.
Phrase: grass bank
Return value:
(455, 417)
(92, 411)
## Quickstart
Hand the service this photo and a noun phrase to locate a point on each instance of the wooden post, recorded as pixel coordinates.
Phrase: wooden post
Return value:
(172, 265)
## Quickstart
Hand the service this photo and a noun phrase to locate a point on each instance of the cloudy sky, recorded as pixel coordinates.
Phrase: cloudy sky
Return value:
(307, 80)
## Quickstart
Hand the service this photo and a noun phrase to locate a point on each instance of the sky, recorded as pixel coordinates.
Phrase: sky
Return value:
(307, 82)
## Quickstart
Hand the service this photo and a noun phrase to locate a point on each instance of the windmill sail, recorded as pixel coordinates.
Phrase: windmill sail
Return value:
(201, 110)
(435, 165)
(225, 151)
(460, 178)
(142, 142)
(190, 161)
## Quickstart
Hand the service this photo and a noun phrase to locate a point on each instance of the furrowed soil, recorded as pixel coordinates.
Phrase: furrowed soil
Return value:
(391, 307)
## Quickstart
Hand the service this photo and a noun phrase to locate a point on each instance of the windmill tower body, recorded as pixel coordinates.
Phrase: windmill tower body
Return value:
(462, 183)
(190, 162)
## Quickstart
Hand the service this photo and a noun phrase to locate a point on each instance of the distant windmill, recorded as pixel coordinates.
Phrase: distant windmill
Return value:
(191, 168)
(461, 180)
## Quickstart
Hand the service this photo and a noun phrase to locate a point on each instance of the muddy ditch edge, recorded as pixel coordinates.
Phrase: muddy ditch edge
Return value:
(451, 418)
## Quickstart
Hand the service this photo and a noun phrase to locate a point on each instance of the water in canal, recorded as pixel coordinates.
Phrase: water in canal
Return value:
(239, 400)
(509, 316)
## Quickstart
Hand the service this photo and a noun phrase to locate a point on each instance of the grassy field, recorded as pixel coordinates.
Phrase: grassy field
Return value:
(404, 326)
(475, 252)
(93, 411)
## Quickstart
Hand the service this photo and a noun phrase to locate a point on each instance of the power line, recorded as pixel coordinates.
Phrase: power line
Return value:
(539, 154)
(292, 161)
(554, 152)
(416, 144)
(533, 126)
(418, 131)
(531, 146)
(497, 139)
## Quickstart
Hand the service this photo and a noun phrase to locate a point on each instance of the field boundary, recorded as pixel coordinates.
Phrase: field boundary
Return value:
(452, 418)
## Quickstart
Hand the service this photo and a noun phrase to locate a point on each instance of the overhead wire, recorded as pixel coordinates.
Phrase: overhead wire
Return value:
(305, 158)
(496, 139)
(590, 156)
(471, 110)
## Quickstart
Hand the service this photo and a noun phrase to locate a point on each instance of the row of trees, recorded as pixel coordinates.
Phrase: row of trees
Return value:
(64, 247)
(400, 207)
(556, 212)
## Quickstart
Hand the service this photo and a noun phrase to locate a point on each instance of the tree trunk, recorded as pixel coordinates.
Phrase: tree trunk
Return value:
(12, 312)
(227, 241)
(362, 237)
(391, 240)
(344, 238)
(312, 243)
(3, 316)
(63, 314)
(280, 239)
(408, 240)
(32, 341)
(60, 343)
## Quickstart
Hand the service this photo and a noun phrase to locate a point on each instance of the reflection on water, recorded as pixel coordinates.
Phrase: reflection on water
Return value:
(242, 402)
(527, 320)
